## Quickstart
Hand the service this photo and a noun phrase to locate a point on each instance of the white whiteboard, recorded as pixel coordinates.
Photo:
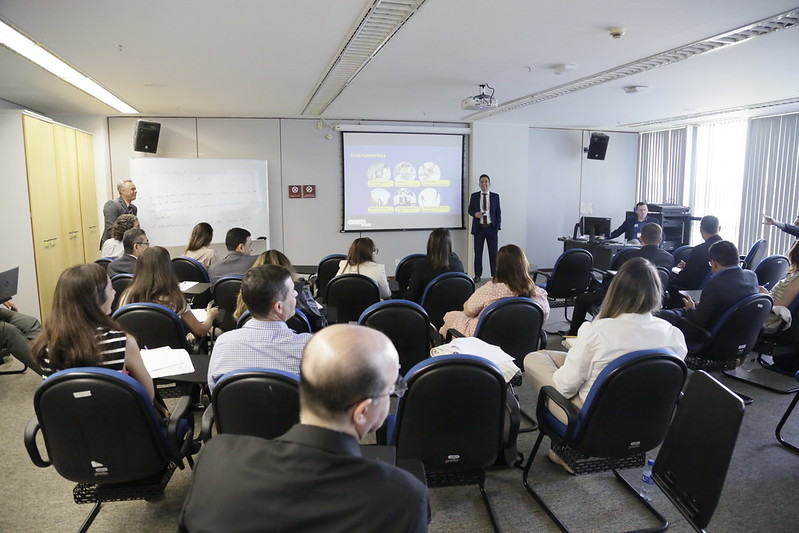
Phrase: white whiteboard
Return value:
(176, 194)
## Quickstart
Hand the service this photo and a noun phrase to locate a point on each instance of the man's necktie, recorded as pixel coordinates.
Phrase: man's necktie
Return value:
(485, 208)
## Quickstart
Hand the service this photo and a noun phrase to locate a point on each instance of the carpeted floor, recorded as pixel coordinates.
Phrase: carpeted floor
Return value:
(760, 493)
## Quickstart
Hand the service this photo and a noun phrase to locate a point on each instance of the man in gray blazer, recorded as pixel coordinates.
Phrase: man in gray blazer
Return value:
(238, 241)
(121, 206)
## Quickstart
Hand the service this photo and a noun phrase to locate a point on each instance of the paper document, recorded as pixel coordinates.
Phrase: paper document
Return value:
(186, 285)
(200, 314)
(167, 361)
(475, 346)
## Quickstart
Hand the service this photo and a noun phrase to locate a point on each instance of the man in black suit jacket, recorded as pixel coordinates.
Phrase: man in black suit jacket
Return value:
(135, 241)
(695, 270)
(486, 222)
(121, 206)
(728, 284)
(314, 478)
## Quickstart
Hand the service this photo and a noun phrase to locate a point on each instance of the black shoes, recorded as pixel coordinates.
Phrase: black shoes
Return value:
(476, 279)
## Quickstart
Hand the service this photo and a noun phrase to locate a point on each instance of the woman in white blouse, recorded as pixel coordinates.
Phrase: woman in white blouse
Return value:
(361, 260)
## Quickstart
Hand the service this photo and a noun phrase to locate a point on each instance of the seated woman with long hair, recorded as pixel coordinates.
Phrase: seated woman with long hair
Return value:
(512, 279)
(154, 281)
(305, 301)
(79, 331)
(624, 324)
(361, 260)
(784, 291)
(440, 259)
(198, 248)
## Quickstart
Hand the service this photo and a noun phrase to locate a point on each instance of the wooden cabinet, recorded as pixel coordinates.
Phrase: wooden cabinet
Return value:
(60, 191)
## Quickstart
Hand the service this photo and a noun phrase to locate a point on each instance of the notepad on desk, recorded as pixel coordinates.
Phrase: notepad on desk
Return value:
(166, 361)
(200, 314)
(186, 285)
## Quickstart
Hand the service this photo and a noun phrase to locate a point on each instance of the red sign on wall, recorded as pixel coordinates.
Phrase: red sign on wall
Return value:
(309, 191)
(295, 191)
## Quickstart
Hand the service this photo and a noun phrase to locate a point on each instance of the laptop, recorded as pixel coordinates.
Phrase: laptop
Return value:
(8, 284)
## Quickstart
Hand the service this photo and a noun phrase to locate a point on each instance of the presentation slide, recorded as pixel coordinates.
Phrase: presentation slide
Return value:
(400, 181)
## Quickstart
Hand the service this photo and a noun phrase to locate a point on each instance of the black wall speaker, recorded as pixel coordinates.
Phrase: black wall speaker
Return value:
(598, 146)
(147, 136)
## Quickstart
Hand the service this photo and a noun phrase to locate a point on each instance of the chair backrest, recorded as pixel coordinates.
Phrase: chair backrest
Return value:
(103, 262)
(665, 277)
(629, 406)
(406, 324)
(621, 256)
(451, 416)
(682, 253)
(756, 254)
(298, 322)
(226, 293)
(571, 274)
(120, 282)
(446, 292)
(404, 270)
(735, 333)
(99, 425)
(325, 271)
(348, 296)
(189, 269)
(153, 325)
(256, 401)
(243, 319)
(514, 324)
(771, 269)
(693, 461)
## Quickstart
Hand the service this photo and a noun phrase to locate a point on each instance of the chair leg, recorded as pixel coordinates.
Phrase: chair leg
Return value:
(664, 524)
(487, 503)
(89, 519)
(533, 424)
(783, 420)
(9, 372)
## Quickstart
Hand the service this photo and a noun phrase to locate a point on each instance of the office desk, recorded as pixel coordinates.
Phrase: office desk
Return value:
(601, 250)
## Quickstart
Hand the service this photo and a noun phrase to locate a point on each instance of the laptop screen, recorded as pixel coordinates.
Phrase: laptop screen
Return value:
(8, 284)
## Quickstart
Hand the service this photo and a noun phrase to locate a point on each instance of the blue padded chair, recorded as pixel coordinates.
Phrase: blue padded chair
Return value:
(407, 325)
(120, 282)
(515, 324)
(348, 296)
(225, 292)
(682, 253)
(101, 431)
(104, 261)
(570, 277)
(298, 323)
(784, 419)
(446, 292)
(189, 269)
(732, 336)
(771, 270)
(259, 402)
(405, 268)
(621, 256)
(756, 254)
(153, 325)
(325, 271)
(626, 414)
(454, 418)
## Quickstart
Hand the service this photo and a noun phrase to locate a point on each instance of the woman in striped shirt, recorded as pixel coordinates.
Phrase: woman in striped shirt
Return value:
(79, 331)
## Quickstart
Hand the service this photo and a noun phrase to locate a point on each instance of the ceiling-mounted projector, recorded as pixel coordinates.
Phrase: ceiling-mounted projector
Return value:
(480, 101)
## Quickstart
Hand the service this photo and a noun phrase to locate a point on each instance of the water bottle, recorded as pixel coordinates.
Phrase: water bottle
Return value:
(647, 483)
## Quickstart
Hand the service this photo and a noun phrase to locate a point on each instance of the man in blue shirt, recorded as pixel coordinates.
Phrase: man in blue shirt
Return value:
(632, 227)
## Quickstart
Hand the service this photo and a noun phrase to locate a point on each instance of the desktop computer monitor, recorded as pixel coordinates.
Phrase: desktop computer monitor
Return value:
(595, 226)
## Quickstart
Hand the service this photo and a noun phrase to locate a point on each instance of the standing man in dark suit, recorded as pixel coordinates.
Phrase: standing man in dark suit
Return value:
(121, 206)
(314, 478)
(728, 284)
(695, 270)
(486, 223)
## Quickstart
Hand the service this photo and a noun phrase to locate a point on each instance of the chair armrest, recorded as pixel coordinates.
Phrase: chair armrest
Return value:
(31, 429)
(434, 338)
(207, 424)
(693, 334)
(453, 334)
(546, 272)
(551, 393)
(513, 410)
(180, 445)
(543, 339)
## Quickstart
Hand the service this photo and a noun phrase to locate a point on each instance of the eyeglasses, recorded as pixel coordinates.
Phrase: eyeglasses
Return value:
(375, 251)
(143, 243)
(400, 386)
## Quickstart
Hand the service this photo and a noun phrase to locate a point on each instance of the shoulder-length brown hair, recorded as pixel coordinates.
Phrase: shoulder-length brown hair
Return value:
(514, 271)
(439, 248)
(201, 236)
(793, 257)
(361, 251)
(636, 288)
(69, 335)
(155, 281)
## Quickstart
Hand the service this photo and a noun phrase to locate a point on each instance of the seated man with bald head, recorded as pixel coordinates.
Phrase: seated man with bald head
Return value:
(313, 478)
